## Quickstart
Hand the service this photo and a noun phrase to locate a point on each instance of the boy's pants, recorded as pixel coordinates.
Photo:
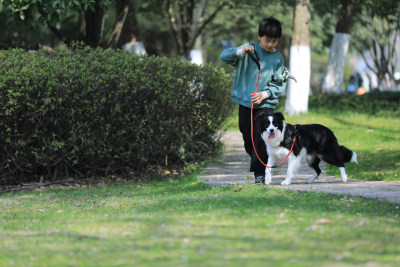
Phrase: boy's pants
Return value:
(245, 128)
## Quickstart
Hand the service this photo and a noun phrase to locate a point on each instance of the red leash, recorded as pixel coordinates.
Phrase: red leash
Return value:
(257, 61)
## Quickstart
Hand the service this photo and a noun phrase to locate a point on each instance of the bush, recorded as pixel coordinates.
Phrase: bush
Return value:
(374, 103)
(89, 112)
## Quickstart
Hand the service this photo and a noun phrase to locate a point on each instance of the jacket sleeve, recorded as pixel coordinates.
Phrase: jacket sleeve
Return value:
(229, 55)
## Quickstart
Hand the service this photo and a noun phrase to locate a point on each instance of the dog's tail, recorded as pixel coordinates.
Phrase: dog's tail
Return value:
(348, 155)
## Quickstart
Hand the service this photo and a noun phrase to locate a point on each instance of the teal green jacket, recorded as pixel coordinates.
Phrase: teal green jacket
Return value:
(272, 71)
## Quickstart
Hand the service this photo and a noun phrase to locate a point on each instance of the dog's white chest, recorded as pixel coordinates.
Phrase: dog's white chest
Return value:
(278, 151)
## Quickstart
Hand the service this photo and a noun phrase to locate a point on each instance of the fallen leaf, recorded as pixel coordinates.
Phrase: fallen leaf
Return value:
(318, 222)
(362, 222)
(323, 221)
(311, 228)
(238, 189)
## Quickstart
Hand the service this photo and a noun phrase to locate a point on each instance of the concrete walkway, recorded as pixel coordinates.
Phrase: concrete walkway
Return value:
(233, 166)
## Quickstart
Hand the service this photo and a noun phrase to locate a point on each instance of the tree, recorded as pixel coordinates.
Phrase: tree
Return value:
(188, 19)
(377, 42)
(92, 24)
(333, 78)
(123, 7)
(91, 17)
(130, 27)
(351, 11)
(300, 58)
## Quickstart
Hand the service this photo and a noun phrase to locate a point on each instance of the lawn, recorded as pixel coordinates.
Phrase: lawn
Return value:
(181, 222)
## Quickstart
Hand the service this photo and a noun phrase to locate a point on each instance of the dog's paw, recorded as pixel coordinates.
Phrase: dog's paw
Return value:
(285, 182)
(344, 180)
(267, 182)
(310, 181)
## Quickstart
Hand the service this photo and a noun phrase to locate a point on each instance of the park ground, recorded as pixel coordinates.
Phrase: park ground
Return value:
(179, 221)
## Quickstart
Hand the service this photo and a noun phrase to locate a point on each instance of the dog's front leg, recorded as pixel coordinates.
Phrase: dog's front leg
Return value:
(268, 171)
(343, 174)
(293, 165)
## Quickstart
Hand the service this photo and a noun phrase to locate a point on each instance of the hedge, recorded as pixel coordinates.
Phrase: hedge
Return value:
(376, 103)
(96, 112)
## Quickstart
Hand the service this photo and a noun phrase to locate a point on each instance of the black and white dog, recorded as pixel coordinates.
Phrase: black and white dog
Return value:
(314, 142)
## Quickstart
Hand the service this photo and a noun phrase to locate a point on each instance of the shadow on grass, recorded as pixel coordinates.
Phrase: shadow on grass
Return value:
(192, 196)
(381, 165)
(379, 129)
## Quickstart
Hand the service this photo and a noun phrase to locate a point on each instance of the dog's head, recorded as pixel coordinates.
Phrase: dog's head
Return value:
(271, 125)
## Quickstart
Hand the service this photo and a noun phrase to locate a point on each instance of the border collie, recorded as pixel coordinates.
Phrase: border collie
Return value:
(314, 142)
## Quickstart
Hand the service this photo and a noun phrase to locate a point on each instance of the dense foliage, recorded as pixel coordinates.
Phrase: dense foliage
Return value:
(374, 103)
(87, 112)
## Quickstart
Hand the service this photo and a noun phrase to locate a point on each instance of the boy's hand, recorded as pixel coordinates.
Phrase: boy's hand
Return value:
(248, 48)
(244, 50)
(257, 98)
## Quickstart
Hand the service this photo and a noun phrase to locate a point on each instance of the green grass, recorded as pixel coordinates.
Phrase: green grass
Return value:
(373, 133)
(183, 223)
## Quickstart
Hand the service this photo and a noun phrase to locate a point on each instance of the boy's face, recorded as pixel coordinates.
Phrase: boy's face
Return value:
(267, 43)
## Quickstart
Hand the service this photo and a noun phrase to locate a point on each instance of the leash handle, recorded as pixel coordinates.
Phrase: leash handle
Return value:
(254, 56)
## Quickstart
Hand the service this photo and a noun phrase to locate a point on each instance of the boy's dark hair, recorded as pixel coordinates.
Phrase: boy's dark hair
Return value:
(270, 27)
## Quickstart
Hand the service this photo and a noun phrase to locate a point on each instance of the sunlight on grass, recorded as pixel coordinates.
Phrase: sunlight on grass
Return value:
(179, 222)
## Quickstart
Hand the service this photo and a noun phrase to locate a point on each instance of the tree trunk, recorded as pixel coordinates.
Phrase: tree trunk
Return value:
(300, 57)
(130, 29)
(188, 20)
(82, 26)
(333, 78)
(122, 9)
(176, 26)
(94, 26)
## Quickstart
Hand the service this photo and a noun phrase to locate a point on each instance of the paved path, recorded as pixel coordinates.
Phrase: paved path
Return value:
(233, 166)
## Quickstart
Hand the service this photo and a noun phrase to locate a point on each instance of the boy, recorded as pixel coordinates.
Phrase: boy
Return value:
(269, 88)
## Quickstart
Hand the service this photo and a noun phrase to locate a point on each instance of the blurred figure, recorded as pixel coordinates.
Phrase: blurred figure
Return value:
(135, 47)
(355, 83)
(365, 85)
(365, 82)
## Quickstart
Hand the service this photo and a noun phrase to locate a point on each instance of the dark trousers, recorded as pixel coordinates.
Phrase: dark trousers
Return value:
(245, 128)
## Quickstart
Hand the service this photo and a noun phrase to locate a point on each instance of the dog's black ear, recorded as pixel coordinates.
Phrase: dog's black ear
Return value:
(279, 116)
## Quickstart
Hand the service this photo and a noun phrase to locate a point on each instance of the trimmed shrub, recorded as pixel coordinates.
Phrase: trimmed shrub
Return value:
(88, 112)
(374, 103)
